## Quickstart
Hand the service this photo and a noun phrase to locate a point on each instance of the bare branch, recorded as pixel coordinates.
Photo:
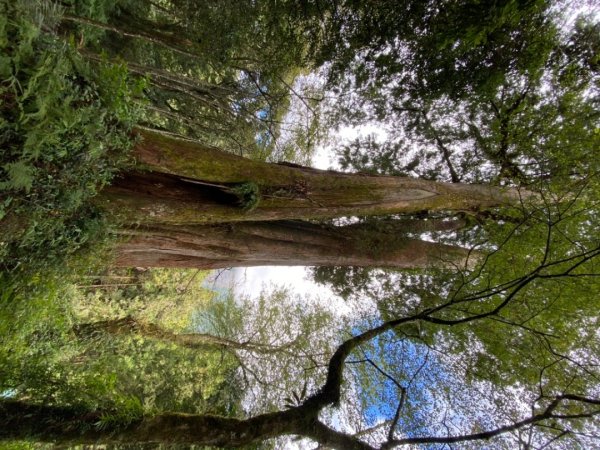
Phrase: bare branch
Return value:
(547, 414)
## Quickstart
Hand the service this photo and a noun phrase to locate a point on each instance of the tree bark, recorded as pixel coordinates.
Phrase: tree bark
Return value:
(186, 214)
(288, 243)
(174, 190)
(152, 33)
(65, 426)
(129, 325)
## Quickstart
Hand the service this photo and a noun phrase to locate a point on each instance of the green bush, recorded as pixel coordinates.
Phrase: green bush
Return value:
(64, 132)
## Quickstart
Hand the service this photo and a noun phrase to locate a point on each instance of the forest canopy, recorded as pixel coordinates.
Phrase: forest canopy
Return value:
(145, 142)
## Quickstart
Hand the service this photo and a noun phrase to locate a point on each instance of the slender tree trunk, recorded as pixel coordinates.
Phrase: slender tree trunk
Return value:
(286, 243)
(152, 33)
(129, 325)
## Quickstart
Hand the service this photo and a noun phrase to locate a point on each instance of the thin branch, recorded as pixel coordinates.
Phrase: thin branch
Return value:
(547, 414)
(390, 435)
(130, 325)
(442, 146)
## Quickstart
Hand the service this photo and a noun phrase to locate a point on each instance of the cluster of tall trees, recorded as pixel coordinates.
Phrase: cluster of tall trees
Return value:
(468, 238)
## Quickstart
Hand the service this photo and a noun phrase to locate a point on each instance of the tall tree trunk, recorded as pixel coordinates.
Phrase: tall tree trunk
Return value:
(151, 33)
(131, 326)
(287, 243)
(189, 183)
(69, 426)
(66, 426)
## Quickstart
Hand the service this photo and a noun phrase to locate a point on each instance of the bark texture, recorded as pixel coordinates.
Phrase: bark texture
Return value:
(174, 189)
(70, 426)
(287, 243)
(182, 211)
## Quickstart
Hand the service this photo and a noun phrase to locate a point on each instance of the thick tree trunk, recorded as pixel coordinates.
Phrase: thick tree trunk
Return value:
(181, 186)
(68, 426)
(287, 243)
(182, 201)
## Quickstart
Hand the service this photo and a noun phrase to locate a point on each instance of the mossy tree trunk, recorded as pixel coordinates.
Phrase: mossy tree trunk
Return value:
(68, 426)
(179, 180)
(183, 212)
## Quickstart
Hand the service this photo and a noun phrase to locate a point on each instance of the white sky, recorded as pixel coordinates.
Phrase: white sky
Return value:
(252, 280)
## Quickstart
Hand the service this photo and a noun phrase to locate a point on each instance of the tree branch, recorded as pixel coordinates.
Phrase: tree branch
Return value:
(547, 414)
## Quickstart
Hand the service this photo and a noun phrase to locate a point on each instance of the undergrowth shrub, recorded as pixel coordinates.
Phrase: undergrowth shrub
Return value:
(64, 132)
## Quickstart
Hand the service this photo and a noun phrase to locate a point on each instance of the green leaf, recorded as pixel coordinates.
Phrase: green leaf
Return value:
(20, 176)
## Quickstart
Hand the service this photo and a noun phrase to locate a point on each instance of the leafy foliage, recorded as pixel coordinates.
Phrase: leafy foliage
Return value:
(466, 99)
(248, 195)
(218, 74)
(459, 49)
(43, 358)
(64, 129)
(283, 338)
